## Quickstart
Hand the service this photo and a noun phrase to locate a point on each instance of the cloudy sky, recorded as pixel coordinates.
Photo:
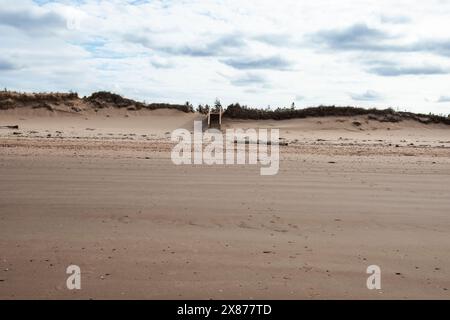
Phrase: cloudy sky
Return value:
(260, 53)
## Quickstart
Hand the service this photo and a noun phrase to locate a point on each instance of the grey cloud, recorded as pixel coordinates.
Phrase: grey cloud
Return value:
(360, 37)
(273, 63)
(229, 41)
(217, 47)
(31, 21)
(393, 71)
(253, 90)
(395, 19)
(274, 39)
(439, 47)
(356, 37)
(369, 95)
(193, 51)
(249, 79)
(162, 64)
(443, 99)
(138, 39)
(6, 65)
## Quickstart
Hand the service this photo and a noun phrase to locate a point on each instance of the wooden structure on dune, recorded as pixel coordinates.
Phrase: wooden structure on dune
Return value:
(215, 118)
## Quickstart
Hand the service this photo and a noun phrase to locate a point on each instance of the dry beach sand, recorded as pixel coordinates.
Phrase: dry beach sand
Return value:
(99, 190)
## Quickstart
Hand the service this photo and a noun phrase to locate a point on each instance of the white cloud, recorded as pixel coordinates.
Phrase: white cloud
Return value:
(257, 52)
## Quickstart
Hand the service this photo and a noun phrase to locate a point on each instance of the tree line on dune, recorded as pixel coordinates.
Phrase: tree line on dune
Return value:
(236, 111)
(104, 99)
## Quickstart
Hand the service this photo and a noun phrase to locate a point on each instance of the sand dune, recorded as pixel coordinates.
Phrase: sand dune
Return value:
(110, 121)
(157, 124)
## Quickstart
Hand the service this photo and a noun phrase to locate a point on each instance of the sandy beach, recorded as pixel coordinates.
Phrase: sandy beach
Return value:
(225, 158)
(100, 191)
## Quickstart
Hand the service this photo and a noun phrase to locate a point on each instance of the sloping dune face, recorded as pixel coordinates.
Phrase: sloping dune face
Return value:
(356, 129)
(100, 115)
(106, 122)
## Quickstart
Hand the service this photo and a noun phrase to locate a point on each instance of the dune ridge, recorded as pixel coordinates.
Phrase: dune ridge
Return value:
(72, 103)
